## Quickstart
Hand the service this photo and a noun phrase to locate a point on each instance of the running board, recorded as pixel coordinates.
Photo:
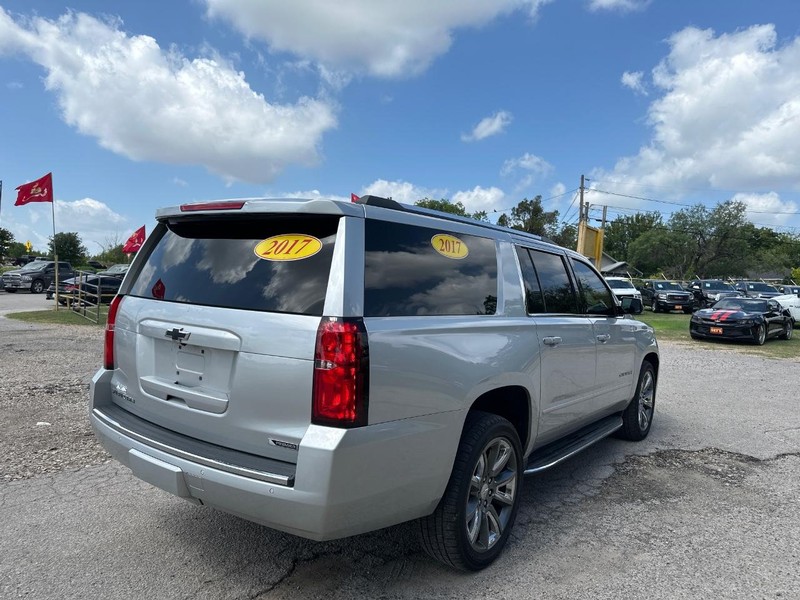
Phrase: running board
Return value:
(559, 451)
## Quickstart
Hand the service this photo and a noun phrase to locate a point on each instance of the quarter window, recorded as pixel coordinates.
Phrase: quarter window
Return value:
(413, 271)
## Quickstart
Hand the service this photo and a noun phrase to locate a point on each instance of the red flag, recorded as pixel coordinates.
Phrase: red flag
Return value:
(353, 197)
(40, 190)
(135, 241)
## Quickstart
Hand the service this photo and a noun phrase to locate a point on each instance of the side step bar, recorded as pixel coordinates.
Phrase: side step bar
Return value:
(552, 454)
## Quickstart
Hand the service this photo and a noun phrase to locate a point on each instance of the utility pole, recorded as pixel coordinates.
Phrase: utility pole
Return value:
(582, 215)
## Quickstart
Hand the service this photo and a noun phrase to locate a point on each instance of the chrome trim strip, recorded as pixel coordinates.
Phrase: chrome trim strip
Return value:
(285, 480)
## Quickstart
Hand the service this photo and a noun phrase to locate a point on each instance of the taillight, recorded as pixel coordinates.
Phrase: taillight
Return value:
(108, 347)
(341, 373)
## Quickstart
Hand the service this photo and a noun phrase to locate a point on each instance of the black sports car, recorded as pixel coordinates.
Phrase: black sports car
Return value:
(749, 319)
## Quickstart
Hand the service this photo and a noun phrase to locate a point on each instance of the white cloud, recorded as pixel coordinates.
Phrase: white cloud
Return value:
(180, 182)
(384, 38)
(531, 167)
(526, 162)
(146, 103)
(488, 127)
(633, 80)
(558, 189)
(766, 208)
(479, 198)
(620, 5)
(14, 85)
(95, 223)
(728, 116)
(402, 191)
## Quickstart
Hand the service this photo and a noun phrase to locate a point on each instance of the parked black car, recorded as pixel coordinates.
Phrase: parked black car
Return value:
(709, 291)
(660, 294)
(117, 270)
(757, 289)
(84, 289)
(750, 319)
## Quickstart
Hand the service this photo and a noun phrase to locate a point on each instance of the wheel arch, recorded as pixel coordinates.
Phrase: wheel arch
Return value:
(654, 360)
(511, 402)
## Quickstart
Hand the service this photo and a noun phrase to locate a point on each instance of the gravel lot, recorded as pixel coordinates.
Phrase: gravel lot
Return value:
(706, 507)
(44, 377)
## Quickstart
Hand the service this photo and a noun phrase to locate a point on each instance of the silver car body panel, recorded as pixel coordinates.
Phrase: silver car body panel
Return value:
(223, 396)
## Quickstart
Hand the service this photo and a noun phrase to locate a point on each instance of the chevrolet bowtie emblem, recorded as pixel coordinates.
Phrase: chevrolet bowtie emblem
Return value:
(178, 335)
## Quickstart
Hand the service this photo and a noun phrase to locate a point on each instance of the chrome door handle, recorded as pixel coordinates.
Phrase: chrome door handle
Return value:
(603, 338)
(551, 341)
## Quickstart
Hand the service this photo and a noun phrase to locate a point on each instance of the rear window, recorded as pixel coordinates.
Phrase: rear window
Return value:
(411, 270)
(214, 262)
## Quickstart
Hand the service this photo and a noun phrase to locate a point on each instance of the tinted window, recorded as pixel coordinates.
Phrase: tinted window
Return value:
(559, 296)
(412, 270)
(595, 297)
(534, 301)
(213, 263)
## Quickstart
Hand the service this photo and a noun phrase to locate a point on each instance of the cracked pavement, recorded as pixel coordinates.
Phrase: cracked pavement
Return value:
(706, 507)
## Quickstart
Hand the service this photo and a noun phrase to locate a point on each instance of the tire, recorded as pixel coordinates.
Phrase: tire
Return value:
(638, 417)
(473, 520)
(788, 330)
(37, 287)
(760, 335)
(654, 306)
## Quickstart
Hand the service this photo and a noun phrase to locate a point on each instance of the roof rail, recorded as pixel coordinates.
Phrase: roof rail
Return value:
(380, 201)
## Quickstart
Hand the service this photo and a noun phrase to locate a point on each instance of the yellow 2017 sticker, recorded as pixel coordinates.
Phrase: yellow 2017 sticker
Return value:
(449, 246)
(288, 246)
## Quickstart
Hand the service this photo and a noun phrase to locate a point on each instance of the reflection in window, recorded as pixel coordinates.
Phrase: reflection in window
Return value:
(559, 296)
(595, 297)
(405, 275)
(534, 301)
(213, 263)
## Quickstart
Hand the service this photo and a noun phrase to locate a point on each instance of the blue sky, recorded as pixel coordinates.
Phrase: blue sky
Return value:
(138, 105)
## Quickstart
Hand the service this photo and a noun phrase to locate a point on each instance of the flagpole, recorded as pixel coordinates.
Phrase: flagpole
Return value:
(55, 250)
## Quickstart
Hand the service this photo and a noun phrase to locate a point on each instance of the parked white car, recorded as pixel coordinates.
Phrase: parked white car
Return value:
(623, 287)
(792, 303)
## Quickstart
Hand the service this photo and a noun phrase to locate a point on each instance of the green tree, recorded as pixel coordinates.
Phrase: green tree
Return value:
(6, 239)
(530, 216)
(624, 230)
(68, 247)
(455, 208)
(717, 241)
(566, 235)
(661, 251)
(112, 255)
(16, 249)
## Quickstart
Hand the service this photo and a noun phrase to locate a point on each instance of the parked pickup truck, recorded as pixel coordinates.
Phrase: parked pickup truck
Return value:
(36, 276)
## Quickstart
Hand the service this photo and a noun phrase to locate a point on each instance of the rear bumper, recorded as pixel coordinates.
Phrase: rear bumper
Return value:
(345, 482)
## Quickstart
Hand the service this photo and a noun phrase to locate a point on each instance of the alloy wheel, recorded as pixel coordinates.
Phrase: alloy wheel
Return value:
(492, 491)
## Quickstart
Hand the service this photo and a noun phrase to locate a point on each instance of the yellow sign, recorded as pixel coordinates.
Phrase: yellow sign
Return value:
(288, 246)
(28, 246)
(449, 246)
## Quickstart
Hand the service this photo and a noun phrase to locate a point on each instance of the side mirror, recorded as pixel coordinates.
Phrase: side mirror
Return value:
(632, 306)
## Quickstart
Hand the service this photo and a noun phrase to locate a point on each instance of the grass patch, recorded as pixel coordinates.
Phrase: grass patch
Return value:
(675, 327)
(62, 316)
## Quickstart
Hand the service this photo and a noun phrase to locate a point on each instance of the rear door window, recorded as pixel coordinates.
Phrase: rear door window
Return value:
(557, 289)
(262, 262)
(412, 270)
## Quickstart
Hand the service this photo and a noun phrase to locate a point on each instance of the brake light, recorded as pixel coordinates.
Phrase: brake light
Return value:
(341, 373)
(108, 347)
(219, 205)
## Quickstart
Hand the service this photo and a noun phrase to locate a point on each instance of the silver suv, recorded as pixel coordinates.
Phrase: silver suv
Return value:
(329, 368)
